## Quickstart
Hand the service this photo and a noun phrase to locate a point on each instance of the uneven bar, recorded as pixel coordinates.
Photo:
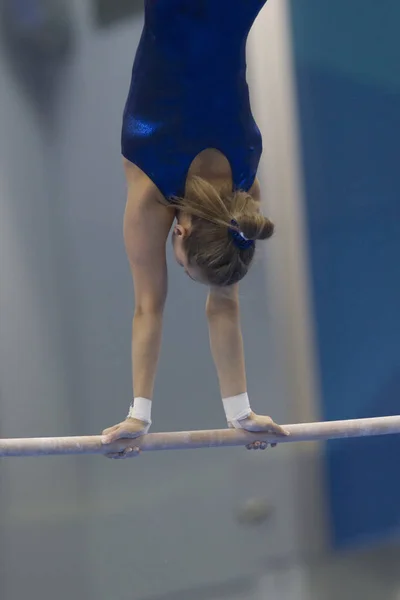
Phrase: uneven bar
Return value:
(185, 440)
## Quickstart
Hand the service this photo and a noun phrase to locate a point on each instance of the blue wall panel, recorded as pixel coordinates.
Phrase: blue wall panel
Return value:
(350, 129)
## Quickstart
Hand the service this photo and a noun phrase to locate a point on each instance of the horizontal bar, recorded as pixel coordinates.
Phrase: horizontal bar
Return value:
(184, 440)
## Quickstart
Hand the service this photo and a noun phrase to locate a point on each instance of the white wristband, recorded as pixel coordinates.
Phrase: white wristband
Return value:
(141, 409)
(236, 408)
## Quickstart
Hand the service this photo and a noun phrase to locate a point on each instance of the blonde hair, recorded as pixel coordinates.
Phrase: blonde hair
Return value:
(210, 245)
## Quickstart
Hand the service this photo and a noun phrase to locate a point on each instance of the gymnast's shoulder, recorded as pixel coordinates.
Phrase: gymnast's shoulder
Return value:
(141, 189)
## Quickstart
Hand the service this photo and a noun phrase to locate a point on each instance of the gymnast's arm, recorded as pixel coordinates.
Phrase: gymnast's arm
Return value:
(147, 223)
(226, 342)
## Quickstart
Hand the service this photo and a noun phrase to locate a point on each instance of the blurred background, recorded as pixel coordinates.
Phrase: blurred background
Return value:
(320, 320)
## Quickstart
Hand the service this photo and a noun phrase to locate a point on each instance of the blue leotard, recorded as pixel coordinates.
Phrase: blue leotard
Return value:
(189, 92)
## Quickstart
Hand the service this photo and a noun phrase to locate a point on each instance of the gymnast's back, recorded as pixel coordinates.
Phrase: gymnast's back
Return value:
(189, 93)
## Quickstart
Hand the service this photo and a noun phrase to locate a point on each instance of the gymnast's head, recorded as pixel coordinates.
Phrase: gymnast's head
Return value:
(215, 236)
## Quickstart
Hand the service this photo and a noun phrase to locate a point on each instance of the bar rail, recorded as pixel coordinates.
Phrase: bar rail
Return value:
(184, 440)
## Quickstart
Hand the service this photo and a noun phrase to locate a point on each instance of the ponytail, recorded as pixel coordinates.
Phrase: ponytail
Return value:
(225, 225)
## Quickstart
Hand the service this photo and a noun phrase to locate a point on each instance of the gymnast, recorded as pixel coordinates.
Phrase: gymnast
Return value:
(191, 150)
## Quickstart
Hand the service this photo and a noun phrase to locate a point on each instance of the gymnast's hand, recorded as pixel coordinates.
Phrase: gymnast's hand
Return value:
(258, 423)
(130, 428)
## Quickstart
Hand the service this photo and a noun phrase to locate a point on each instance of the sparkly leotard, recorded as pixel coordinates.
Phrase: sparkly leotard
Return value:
(189, 92)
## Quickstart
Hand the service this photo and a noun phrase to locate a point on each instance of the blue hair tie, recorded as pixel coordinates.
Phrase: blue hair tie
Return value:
(238, 237)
